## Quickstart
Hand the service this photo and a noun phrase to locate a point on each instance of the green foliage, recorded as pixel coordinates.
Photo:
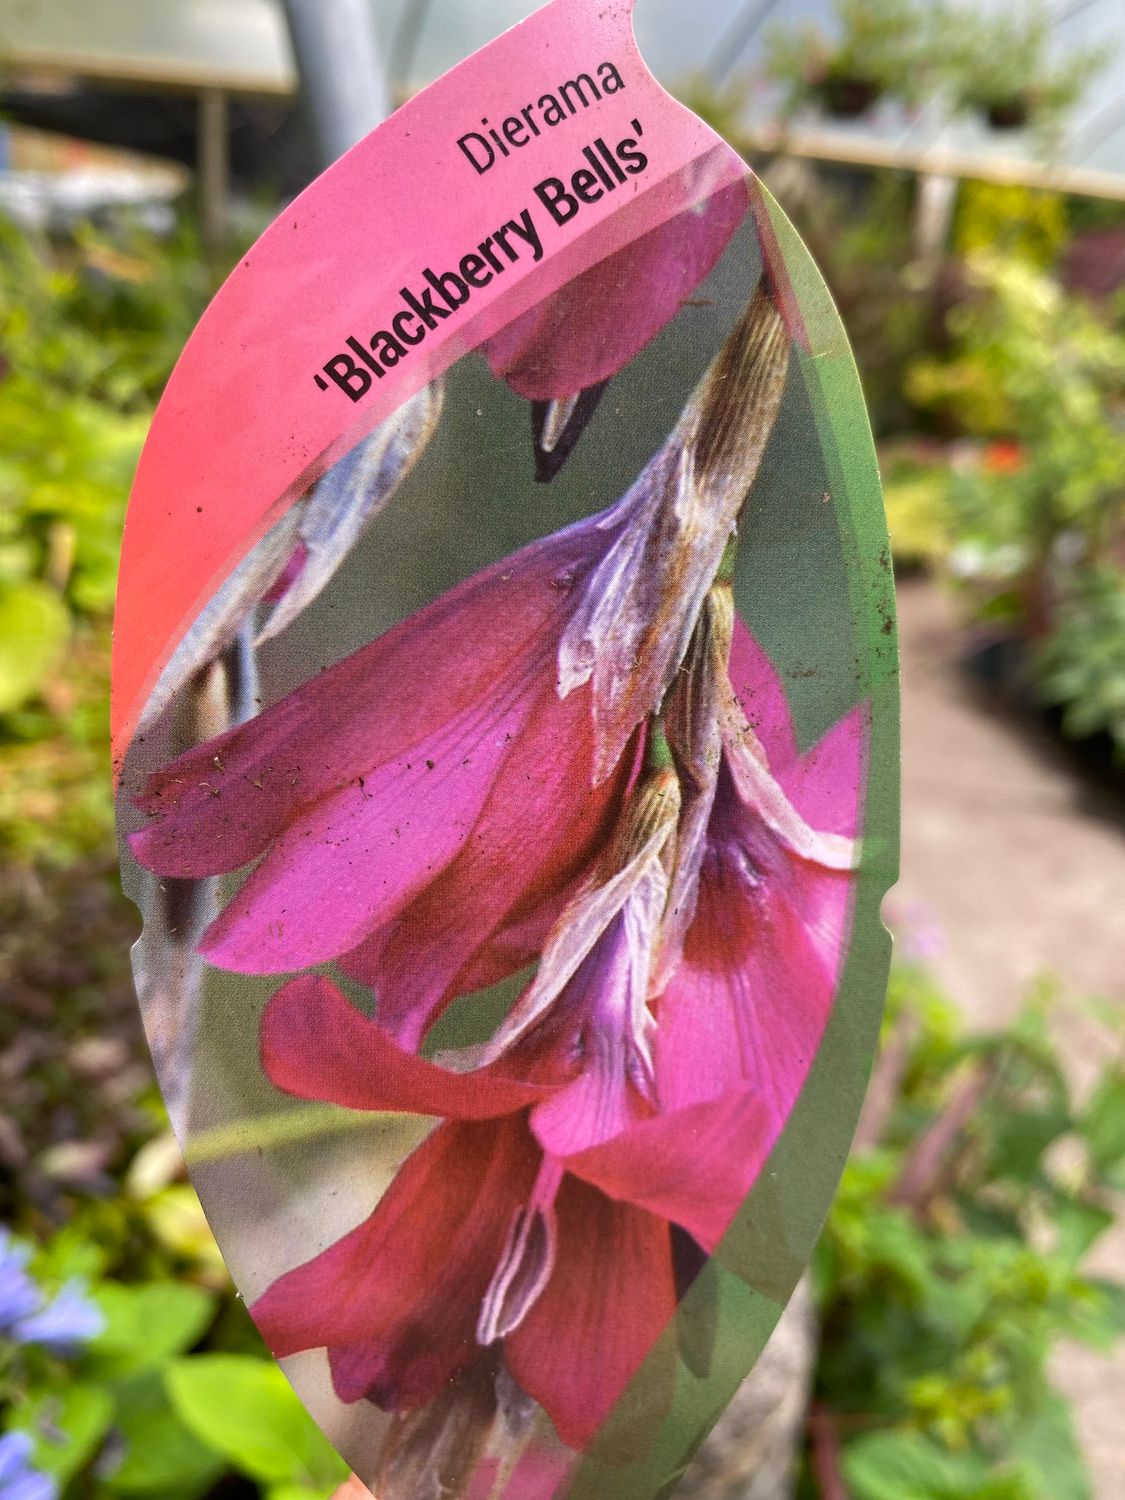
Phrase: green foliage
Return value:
(722, 106)
(1007, 220)
(101, 317)
(904, 1466)
(54, 759)
(71, 1423)
(880, 43)
(948, 1272)
(147, 1325)
(64, 473)
(87, 339)
(1025, 352)
(1046, 372)
(170, 1398)
(1039, 513)
(1080, 665)
(88, 333)
(152, 1451)
(918, 518)
(1002, 60)
(247, 1411)
(34, 626)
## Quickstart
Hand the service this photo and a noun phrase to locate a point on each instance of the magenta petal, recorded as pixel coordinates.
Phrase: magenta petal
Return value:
(594, 325)
(396, 1300)
(595, 1106)
(487, 915)
(595, 1019)
(761, 697)
(316, 1045)
(826, 785)
(610, 1296)
(373, 846)
(540, 1473)
(752, 996)
(693, 1166)
(217, 807)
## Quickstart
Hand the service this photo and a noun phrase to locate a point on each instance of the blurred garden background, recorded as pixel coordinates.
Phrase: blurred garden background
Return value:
(958, 171)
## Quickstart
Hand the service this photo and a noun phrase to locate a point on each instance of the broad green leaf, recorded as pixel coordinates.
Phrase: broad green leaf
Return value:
(1021, 1140)
(1103, 1124)
(907, 1466)
(34, 625)
(71, 1255)
(245, 1408)
(1079, 1225)
(1011, 1485)
(177, 1220)
(303, 1492)
(145, 1325)
(67, 1425)
(1097, 1312)
(1048, 1452)
(160, 1455)
(898, 1245)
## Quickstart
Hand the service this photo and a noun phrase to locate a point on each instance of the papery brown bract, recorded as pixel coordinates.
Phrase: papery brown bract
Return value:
(632, 626)
(434, 1452)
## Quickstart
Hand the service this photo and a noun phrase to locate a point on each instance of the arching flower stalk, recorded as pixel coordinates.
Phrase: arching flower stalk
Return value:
(303, 550)
(167, 964)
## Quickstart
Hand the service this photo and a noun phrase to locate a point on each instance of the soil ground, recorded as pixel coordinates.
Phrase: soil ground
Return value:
(1016, 853)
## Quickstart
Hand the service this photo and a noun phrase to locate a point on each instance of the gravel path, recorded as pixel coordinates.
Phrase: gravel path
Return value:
(1021, 865)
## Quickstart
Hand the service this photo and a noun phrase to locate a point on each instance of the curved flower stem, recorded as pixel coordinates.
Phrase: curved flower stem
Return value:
(272, 1132)
(167, 966)
(212, 684)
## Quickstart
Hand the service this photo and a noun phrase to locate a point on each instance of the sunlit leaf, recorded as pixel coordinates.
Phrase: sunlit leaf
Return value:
(245, 1409)
(158, 1453)
(67, 1425)
(34, 625)
(146, 1325)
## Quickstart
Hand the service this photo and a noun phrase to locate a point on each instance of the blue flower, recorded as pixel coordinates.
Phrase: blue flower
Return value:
(27, 1317)
(18, 1480)
(19, 1296)
(70, 1319)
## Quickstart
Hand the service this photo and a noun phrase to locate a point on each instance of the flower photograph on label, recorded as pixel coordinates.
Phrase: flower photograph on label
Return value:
(499, 825)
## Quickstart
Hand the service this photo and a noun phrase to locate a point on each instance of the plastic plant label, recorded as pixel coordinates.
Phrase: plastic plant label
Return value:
(505, 719)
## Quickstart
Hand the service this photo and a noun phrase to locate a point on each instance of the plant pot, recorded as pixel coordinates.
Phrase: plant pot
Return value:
(1008, 114)
(847, 98)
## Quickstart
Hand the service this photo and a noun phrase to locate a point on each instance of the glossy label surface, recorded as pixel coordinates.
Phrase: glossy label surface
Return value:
(506, 726)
